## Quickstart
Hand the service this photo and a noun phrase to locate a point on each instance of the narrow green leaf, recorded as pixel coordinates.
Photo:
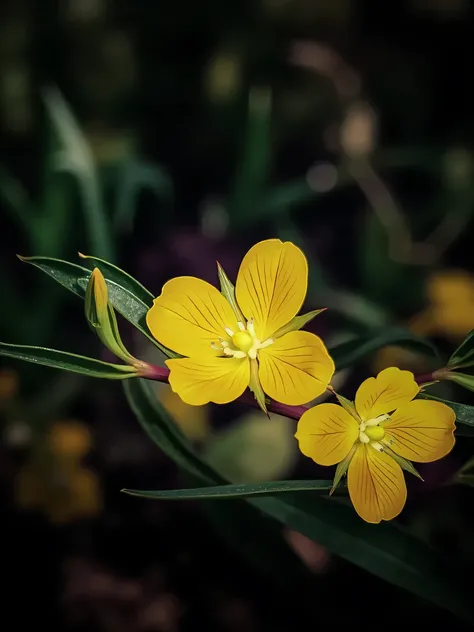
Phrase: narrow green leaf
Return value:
(251, 181)
(228, 291)
(67, 361)
(255, 535)
(463, 352)
(234, 491)
(75, 157)
(385, 550)
(126, 294)
(298, 322)
(464, 414)
(136, 176)
(348, 353)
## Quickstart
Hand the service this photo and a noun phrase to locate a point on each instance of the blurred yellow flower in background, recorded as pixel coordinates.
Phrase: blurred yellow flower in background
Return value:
(374, 437)
(54, 480)
(193, 420)
(252, 340)
(9, 385)
(450, 309)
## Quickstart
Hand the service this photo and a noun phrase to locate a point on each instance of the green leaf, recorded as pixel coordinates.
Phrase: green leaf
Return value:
(464, 414)
(463, 352)
(67, 361)
(257, 536)
(228, 292)
(251, 181)
(348, 353)
(297, 322)
(385, 550)
(75, 157)
(234, 491)
(134, 177)
(126, 294)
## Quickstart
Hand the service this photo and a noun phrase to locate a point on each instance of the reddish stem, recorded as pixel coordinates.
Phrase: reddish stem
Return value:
(160, 374)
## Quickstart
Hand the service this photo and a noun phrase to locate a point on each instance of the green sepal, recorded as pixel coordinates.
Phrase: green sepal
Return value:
(464, 380)
(297, 322)
(256, 387)
(101, 316)
(342, 468)
(403, 463)
(348, 406)
(228, 292)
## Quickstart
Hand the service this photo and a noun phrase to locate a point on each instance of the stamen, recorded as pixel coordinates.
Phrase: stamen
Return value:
(252, 353)
(215, 346)
(241, 326)
(250, 327)
(267, 343)
(228, 352)
(224, 343)
(229, 331)
(238, 354)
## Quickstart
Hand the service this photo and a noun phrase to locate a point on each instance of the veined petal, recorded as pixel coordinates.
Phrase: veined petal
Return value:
(189, 315)
(209, 379)
(391, 389)
(376, 484)
(421, 431)
(296, 368)
(326, 433)
(271, 285)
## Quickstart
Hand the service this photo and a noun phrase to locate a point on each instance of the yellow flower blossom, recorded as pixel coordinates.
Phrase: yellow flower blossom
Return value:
(383, 430)
(251, 342)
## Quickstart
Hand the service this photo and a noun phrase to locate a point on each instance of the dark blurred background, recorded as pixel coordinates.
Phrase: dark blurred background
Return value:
(162, 136)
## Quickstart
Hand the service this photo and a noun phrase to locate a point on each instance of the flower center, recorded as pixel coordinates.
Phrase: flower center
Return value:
(243, 343)
(375, 433)
(371, 432)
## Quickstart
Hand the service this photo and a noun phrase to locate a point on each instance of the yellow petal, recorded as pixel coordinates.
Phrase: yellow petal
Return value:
(421, 431)
(389, 390)
(209, 379)
(296, 368)
(271, 285)
(376, 484)
(326, 433)
(189, 315)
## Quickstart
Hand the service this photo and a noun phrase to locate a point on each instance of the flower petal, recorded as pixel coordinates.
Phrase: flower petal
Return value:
(326, 433)
(271, 285)
(421, 431)
(295, 368)
(376, 484)
(209, 379)
(389, 390)
(189, 315)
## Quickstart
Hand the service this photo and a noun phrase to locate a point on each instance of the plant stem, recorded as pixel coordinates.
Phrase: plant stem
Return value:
(161, 374)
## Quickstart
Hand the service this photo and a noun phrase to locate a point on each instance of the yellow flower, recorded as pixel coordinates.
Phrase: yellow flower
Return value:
(371, 439)
(251, 342)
